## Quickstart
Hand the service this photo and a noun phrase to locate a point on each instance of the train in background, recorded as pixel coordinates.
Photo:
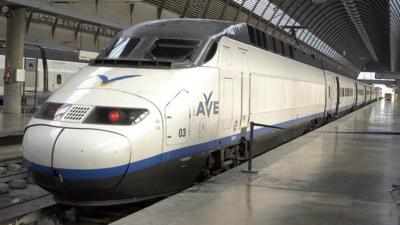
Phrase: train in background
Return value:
(165, 104)
(61, 63)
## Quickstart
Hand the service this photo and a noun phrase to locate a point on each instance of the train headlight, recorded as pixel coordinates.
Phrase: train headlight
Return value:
(116, 116)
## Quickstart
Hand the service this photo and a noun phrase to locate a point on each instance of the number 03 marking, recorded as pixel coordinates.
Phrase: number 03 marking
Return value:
(182, 132)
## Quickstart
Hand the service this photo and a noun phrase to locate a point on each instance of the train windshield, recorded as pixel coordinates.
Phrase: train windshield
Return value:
(171, 43)
(131, 51)
(120, 48)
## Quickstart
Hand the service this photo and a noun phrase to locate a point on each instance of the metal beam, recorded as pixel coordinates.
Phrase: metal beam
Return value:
(160, 9)
(45, 6)
(96, 35)
(252, 11)
(185, 9)
(28, 21)
(78, 27)
(239, 9)
(285, 10)
(97, 5)
(131, 10)
(351, 9)
(263, 13)
(224, 9)
(53, 27)
(206, 9)
(385, 82)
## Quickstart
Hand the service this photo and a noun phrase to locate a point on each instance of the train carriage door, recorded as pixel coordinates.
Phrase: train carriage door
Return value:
(365, 94)
(245, 93)
(230, 92)
(177, 119)
(338, 92)
(356, 92)
(227, 103)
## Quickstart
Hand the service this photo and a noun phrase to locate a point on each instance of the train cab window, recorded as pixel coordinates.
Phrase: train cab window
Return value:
(59, 79)
(120, 48)
(175, 50)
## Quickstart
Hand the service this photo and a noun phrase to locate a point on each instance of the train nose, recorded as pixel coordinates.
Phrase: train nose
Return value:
(76, 160)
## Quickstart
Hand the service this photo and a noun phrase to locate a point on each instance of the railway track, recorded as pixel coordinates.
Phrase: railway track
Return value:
(50, 212)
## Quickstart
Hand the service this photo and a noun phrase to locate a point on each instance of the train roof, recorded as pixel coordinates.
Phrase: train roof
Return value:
(200, 29)
(52, 53)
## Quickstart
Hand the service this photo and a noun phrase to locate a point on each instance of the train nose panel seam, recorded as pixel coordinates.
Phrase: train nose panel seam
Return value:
(56, 174)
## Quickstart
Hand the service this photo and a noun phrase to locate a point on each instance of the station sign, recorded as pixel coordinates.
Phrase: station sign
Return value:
(87, 56)
(30, 64)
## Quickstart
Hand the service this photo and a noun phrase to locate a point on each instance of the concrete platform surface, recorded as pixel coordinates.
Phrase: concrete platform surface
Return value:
(339, 174)
(11, 125)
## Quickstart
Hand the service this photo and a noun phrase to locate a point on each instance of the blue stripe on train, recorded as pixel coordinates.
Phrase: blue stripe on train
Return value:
(93, 174)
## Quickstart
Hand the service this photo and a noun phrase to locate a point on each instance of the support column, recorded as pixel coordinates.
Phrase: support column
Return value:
(14, 60)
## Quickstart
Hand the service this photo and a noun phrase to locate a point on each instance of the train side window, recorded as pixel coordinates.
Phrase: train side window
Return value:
(59, 79)
(283, 48)
(270, 43)
(264, 40)
(258, 37)
(251, 35)
(329, 92)
(278, 47)
(291, 51)
(274, 45)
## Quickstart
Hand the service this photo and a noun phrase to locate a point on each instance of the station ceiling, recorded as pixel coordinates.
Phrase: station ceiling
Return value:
(366, 32)
(361, 35)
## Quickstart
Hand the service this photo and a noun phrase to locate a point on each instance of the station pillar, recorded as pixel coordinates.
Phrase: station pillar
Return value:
(14, 60)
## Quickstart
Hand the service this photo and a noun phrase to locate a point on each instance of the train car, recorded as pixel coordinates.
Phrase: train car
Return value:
(376, 93)
(361, 94)
(341, 94)
(158, 108)
(380, 93)
(62, 64)
(388, 96)
(368, 93)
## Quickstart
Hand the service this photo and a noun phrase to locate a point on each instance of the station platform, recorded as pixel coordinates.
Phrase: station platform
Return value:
(13, 125)
(341, 173)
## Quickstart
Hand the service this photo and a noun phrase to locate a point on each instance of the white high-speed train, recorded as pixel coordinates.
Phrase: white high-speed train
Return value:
(170, 100)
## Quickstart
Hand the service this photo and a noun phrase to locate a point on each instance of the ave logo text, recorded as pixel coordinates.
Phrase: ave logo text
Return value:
(207, 107)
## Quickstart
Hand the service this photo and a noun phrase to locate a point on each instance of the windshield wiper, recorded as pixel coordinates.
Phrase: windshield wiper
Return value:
(148, 53)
